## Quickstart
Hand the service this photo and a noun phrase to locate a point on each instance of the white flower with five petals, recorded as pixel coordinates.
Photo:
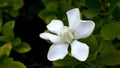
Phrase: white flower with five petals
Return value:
(63, 36)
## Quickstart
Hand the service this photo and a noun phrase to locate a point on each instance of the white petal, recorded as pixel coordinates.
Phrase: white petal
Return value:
(84, 29)
(79, 50)
(51, 37)
(55, 26)
(57, 51)
(73, 17)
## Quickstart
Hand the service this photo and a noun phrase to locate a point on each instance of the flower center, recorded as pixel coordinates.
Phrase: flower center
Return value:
(66, 34)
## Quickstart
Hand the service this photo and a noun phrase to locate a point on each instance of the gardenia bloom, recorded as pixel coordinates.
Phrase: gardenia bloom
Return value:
(63, 36)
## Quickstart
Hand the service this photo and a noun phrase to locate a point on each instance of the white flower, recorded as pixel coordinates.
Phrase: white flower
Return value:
(63, 36)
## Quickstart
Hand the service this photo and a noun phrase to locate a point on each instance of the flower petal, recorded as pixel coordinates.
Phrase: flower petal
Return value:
(57, 51)
(79, 50)
(55, 26)
(84, 29)
(51, 37)
(73, 17)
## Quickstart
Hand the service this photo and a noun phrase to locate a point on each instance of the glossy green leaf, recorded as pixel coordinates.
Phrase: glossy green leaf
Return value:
(17, 4)
(6, 62)
(22, 48)
(10, 63)
(52, 7)
(9, 36)
(105, 46)
(64, 5)
(43, 14)
(110, 31)
(4, 39)
(89, 14)
(97, 63)
(5, 50)
(16, 42)
(111, 58)
(13, 13)
(17, 64)
(7, 31)
(8, 26)
(68, 62)
(79, 3)
(49, 18)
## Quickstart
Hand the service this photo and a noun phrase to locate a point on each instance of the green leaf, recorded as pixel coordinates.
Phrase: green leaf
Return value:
(118, 4)
(97, 63)
(16, 42)
(92, 43)
(8, 37)
(79, 3)
(17, 4)
(22, 48)
(89, 14)
(65, 5)
(111, 58)
(67, 62)
(5, 49)
(17, 64)
(13, 13)
(3, 3)
(93, 4)
(43, 14)
(105, 46)
(110, 31)
(5, 62)
(7, 30)
(49, 18)
(52, 7)
(5, 39)
(8, 26)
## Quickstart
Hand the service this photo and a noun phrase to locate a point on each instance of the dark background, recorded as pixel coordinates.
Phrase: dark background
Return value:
(28, 26)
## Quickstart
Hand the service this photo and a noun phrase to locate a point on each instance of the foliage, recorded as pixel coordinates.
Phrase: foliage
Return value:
(8, 41)
(104, 43)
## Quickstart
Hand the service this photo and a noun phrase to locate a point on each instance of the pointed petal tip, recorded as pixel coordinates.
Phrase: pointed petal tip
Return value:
(53, 38)
(41, 35)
